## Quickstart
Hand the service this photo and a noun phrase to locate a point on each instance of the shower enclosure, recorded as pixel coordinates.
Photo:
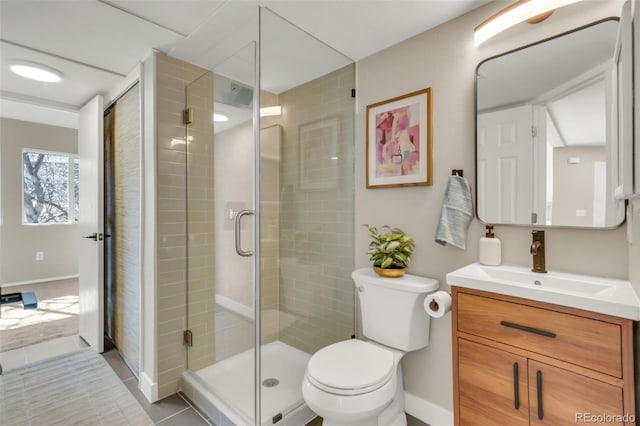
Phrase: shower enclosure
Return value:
(270, 199)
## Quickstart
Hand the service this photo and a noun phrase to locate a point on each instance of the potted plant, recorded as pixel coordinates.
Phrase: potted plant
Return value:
(390, 252)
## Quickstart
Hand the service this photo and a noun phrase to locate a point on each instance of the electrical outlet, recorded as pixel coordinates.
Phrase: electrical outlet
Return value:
(39, 255)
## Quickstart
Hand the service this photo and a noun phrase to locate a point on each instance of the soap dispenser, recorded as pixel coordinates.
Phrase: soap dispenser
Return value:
(490, 250)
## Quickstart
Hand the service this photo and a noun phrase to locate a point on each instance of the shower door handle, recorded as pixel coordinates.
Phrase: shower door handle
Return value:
(239, 215)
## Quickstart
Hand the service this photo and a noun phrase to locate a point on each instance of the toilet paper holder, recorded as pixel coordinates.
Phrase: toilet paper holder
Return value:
(434, 306)
(437, 304)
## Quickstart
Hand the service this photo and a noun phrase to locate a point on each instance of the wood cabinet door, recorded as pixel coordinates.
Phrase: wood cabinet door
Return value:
(560, 397)
(492, 386)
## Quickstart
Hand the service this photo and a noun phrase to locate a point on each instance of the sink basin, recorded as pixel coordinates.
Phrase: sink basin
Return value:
(596, 294)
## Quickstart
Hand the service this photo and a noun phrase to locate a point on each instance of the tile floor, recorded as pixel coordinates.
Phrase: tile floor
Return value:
(172, 410)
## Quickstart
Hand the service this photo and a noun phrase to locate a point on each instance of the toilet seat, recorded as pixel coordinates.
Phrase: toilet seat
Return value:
(351, 367)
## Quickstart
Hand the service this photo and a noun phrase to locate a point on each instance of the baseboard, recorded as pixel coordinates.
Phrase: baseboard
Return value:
(148, 388)
(426, 411)
(40, 280)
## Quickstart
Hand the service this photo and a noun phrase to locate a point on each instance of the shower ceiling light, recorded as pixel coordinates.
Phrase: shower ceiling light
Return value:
(219, 118)
(532, 11)
(34, 71)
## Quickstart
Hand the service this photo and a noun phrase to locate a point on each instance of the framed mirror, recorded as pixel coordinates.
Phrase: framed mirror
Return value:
(546, 132)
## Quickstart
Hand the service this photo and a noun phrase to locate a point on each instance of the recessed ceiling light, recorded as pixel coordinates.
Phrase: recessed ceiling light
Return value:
(219, 117)
(34, 71)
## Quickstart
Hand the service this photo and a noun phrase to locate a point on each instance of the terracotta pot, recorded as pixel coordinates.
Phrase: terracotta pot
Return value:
(389, 273)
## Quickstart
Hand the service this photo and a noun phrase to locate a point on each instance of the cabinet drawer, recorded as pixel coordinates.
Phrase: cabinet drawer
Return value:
(582, 341)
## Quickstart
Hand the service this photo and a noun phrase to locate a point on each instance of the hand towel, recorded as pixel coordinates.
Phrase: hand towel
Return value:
(456, 213)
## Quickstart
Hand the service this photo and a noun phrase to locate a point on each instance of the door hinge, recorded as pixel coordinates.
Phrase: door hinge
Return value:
(353, 93)
(534, 218)
(534, 132)
(188, 338)
(187, 116)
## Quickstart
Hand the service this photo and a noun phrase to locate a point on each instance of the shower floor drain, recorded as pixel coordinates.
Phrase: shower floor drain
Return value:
(270, 382)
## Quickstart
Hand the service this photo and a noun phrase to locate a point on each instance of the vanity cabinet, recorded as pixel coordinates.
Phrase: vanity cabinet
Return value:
(522, 362)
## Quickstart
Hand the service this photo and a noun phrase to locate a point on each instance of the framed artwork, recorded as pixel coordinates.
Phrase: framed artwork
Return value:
(399, 141)
(319, 159)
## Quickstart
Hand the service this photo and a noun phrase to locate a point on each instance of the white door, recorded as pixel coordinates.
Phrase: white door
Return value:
(505, 148)
(90, 224)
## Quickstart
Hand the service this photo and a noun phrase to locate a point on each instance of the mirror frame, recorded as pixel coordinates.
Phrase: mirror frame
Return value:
(475, 121)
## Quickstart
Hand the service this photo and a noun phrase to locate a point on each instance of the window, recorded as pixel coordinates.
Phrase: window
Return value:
(46, 179)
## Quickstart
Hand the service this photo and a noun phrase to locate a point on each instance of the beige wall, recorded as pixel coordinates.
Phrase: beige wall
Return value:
(18, 242)
(633, 223)
(445, 59)
(573, 184)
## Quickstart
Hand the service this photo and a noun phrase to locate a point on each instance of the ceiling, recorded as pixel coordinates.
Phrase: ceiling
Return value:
(96, 43)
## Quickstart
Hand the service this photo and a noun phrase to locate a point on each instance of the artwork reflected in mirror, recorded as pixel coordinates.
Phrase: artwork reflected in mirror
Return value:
(546, 132)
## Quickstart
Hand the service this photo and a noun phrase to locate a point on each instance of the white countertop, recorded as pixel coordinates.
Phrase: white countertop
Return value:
(603, 295)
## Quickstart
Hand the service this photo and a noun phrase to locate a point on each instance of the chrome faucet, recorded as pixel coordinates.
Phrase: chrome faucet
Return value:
(537, 250)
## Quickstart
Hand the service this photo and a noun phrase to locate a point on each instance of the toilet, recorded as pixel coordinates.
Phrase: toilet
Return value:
(359, 383)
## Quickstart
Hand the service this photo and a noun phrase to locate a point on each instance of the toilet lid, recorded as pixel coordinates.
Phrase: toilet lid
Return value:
(351, 367)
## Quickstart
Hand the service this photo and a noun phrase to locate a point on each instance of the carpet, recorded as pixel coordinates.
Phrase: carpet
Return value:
(56, 316)
(78, 388)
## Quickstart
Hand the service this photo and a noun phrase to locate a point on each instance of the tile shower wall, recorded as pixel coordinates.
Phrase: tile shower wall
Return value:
(316, 214)
(172, 77)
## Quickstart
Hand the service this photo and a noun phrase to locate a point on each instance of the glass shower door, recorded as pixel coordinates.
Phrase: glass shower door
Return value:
(284, 173)
(220, 228)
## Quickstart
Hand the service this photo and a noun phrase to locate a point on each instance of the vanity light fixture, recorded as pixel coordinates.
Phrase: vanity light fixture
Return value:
(532, 11)
(35, 71)
(219, 118)
(270, 111)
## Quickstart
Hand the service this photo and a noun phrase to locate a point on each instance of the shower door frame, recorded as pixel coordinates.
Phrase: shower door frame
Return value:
(257, 252)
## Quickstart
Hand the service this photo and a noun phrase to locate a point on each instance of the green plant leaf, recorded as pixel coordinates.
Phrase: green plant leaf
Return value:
(390, 249)
(386, 262)
(393, 245)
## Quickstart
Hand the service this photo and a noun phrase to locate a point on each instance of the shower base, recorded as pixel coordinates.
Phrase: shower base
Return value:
(224, 391)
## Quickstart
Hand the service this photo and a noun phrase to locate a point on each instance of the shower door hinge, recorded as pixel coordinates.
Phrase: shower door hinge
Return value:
(188, 338)
(187, 116)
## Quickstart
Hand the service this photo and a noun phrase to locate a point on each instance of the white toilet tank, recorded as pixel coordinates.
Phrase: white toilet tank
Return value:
(392, 308)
